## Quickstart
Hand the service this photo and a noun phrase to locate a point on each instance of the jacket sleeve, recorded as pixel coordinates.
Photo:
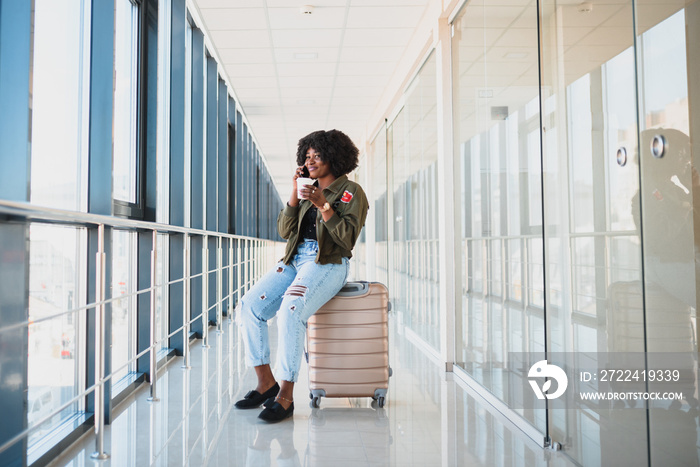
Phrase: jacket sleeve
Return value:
(288, 221)
(344, 227)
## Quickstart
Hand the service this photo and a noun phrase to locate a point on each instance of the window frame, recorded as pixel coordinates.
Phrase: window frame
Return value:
(122, 208)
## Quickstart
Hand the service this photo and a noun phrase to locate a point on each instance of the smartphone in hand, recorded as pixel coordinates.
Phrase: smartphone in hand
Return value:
(305, 172)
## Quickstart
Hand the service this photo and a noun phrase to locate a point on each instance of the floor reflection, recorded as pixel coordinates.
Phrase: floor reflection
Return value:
(429, 420)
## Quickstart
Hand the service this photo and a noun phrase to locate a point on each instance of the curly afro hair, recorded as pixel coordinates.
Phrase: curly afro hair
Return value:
(336, 148)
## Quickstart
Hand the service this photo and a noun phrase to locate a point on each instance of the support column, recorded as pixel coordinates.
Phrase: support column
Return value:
(177, 167)
(15, 58)
(449, 214)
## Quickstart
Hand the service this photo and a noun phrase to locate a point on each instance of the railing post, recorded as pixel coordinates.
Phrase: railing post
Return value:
(186, 307)
(99, 345)
(205, 292)
(230, 280)
(239, 271)
(153, 362)
(219, 287)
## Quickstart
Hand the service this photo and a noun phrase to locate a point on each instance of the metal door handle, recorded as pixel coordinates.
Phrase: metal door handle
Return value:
(658, 146)
(622, 156)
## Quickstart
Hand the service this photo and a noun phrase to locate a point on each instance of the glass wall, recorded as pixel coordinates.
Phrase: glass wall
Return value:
(578, 219)
(414, 151)
(593, 243)
(497, 117)
(380, 204)
(358, 265)
(668, 56)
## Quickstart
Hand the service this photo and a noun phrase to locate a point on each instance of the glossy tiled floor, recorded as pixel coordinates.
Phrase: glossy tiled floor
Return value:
(429, 420)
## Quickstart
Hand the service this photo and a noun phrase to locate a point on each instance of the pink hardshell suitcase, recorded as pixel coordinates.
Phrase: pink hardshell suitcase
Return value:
(348, 344)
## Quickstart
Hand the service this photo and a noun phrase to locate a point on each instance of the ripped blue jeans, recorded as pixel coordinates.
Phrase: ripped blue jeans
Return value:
(293, 293)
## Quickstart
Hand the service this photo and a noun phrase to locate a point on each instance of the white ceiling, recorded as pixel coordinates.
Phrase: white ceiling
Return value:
(294, 73)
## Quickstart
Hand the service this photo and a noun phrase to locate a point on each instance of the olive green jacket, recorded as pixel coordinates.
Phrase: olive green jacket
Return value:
(337, 237)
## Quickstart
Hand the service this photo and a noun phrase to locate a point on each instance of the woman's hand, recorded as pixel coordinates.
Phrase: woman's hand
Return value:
(313, 194)
(299, 172)
(294, 198)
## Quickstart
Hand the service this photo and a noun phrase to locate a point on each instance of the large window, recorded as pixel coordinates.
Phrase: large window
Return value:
(57, 274)
(415, 185)
(123, 307)
(57, 271)
(59, 103)
(127, 153)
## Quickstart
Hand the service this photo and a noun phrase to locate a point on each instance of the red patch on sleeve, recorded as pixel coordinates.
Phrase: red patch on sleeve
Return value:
(347, 196)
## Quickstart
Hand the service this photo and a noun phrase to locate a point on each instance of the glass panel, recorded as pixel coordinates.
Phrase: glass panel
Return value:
(59, 102)
(496, 118)
(162, 290)
(414, 133)
(125, 138)
(668, 48)
(123, 316)
(56, 274)
(380, 205)
(592, 236)
(358, 264)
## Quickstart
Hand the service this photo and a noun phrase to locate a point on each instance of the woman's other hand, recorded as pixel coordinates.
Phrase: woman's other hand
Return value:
(294, 198)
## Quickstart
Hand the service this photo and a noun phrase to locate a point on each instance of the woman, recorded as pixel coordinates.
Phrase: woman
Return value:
(321, 230)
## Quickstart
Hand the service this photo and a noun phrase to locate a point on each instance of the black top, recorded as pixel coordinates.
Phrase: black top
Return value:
(308, 224)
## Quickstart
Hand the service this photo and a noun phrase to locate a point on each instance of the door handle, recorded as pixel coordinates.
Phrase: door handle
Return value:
(658, 146)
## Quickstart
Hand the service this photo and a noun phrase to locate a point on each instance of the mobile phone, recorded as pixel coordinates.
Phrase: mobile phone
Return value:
(305, 172)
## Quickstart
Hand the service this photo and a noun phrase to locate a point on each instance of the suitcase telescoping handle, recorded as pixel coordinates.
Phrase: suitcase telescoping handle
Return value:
(354, 289)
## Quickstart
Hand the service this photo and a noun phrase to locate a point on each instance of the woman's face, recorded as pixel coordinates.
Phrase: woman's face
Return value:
(317, 168)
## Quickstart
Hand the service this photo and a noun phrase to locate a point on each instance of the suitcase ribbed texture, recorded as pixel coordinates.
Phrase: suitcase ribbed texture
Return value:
(348, 344)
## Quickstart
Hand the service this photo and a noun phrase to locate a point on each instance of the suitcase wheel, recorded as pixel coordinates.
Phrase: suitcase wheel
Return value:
(380, 401)
(316, 402)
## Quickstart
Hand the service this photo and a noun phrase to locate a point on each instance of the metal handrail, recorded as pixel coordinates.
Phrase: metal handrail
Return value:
(248, 269)
(42, 214)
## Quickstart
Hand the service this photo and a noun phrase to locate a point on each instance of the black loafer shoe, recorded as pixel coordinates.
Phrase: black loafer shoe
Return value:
(269, 402)
(253, 399)
(276, 413)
